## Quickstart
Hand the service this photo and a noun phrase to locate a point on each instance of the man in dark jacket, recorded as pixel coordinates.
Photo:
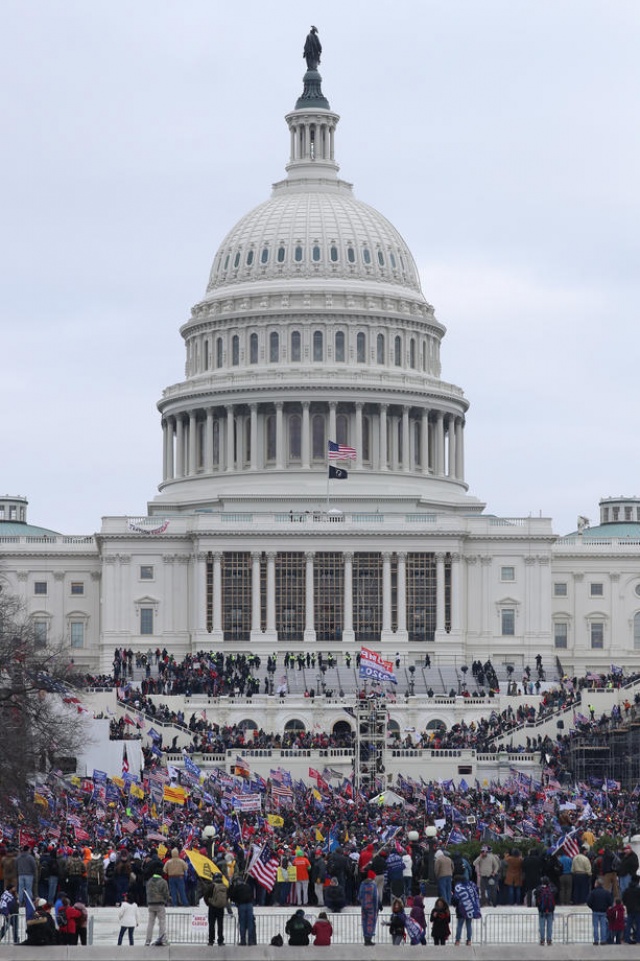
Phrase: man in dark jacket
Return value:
(599, 900)
(628, 867)
(631, 901)
(298, 929)
(531, 874)
(241, 893)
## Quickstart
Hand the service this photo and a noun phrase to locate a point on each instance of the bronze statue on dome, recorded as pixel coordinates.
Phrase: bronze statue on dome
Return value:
(312, 49)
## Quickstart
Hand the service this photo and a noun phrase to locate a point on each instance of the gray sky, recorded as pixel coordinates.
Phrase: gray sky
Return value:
(500, 138)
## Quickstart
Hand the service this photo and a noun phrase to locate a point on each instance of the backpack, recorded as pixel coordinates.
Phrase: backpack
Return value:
(61, 917)
(461, 867)
(218, 897)
(545, 900)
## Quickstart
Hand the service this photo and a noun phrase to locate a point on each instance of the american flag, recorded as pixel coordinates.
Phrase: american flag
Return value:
(340, 451)
(568, 843)
(264, 866)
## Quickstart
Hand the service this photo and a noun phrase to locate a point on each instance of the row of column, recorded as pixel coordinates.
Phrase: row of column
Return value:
(434, 446)
(348, 633)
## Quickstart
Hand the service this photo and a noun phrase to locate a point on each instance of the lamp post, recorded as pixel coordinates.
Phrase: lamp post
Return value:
(208, 836)
(431, 834)
(412, 671)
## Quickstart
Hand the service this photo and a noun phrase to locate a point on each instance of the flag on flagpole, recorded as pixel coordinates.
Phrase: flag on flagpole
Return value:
(125, 760)
(29, 906)
(375, 668)
(337, 473)
(264, 867)
(340, 451)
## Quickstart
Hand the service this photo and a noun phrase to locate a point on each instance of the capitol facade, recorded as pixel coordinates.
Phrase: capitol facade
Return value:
(313, 491)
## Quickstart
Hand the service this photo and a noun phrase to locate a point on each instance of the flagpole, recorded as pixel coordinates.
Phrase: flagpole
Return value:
(328, 481)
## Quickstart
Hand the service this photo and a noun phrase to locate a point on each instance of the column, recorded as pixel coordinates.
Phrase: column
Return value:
(406, 453)
(401, 632)
(256, 625)
(359, 406)
(165, 449)
(452, 446)
(306, 435)
(439, 595)
(439, 443)
(386, 596)
(348, 633)
(332, 420)
(199, 569)
(230, 439)
(455, 593)
(208, 441)
(309, 612)
(179, 446)
(217, 597)
(254, 436)
(280, 440)
(424, 443)
(270, 633)
(193, 442)
(383, 437)
(459, 449)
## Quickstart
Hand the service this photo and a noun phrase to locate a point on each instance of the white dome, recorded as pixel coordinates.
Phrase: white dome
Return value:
(320, 231)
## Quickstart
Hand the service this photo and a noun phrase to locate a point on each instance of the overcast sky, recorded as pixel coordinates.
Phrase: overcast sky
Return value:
(501, 139)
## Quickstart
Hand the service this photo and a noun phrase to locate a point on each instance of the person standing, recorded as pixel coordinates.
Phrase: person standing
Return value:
(241, 893)
(628, 867)
(175, 869)
(26, 871)
(368, 898)
(599, 901)
(440, 919)
(615, 920)
(443, 869)
(466, 901)
(302, 865)
(319, 876)
(129, 918)
(157, 900)
(9, 911)
(581, 873)
(487, 867)
(546, 904)
(631, 901)
(216, 895)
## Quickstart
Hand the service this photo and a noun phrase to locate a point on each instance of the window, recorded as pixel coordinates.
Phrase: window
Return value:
(412, 353)
(40, 631)
(596, 630)
(596, 590)
(333, 253)
(366, 255)
(380, 349)
(274, 347)
(236, 260)
(146, 572)
(253, 349)
(507, 573)
(361, 348)
(146, 620)
(264, 256)
(76, 633)
(340, 346)
(392, 258)
(508, 621)
(296, 351)
(560, 589)
(281, 253)
(319, 446)
(235, 350)
(249, 257)
(315, 254)
(351, 255)
(297, 254)
(40, 587)
(77, 587)
(560, 634)
(397, 352)
(318, 345)
(381, 258)
(295, 437)
(271, 437)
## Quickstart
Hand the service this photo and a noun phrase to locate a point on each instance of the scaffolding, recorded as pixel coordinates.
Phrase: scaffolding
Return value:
(371, 744)
(611, 756)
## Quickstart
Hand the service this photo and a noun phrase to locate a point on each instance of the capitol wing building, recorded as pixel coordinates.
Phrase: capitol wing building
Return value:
(313, 492)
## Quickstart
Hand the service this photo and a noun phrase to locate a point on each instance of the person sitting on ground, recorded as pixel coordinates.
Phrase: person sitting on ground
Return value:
(322, 930)
(298, 929)
(334, 897)
(41, 928)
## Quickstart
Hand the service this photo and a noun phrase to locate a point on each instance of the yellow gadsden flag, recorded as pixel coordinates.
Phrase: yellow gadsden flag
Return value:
(204, 866)
(275, 820)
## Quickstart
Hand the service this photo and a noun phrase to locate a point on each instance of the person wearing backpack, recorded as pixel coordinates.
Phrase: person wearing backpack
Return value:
(546, 904)
(298, 929)
(216, 895)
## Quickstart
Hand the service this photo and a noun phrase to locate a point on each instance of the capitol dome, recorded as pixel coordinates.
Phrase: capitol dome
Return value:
(313, 329)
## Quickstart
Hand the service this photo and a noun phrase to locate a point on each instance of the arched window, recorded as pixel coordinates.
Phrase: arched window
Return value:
(339, 343)
(351, 255)
(318, 345)
(226, 261)
(366, 255)
(297, 254)
(366, 440)
(392, 259)
(380, 349)
(253, 349)
(400, 440)
(295, 437)
(236, 260)
(296, 352)
(318, 437)
(219, 352)
(270, 426)
(247, 440)
(274, 347)
(342, 429)
(333, 253)
(295, 726)
(315, 254)
(381, 258)
(424, 355)
(397, 351)
(235, 350)
(412, 353)
(249, 257)
(361, 348)
(207, 358)
(264, 256)
(281, 254)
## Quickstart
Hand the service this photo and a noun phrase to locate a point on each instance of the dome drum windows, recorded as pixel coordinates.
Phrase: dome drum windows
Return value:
(361, 348)
(318, 346)
(340, 355)
(264, 255)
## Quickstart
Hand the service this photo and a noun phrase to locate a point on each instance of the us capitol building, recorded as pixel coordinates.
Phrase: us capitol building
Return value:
(314, 328)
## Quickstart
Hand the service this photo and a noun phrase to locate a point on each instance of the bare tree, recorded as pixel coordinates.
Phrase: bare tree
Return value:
(40, 709)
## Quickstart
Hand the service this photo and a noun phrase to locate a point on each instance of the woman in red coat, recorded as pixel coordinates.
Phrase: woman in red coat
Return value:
(322, 929)
(68, 916)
